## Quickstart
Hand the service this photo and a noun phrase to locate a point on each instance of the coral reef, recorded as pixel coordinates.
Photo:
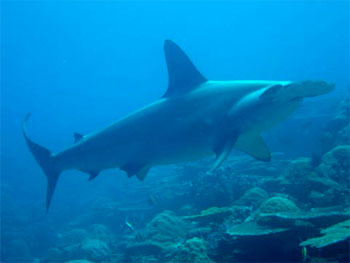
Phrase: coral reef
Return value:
(277, 204)
(253, 197)
(193, 250)
(252, 229)
(80, 244)
(336, 131)
(78, 261)
(335, 165)
(211, 215)
(159, 237)
(331, 235)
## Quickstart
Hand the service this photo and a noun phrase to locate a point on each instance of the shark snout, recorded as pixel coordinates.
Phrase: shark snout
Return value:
(310, 88)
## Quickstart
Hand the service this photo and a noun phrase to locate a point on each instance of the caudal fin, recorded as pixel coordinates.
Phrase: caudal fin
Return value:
(44, 158)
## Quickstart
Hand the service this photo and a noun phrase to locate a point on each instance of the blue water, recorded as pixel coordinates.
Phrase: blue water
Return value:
(79, 66)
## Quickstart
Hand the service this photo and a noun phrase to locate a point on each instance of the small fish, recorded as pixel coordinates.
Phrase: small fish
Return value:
(304, 254)
(129, 225)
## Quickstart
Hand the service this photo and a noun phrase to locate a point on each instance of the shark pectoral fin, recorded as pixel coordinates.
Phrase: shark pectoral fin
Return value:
(183, 75)
(254, 145)
(136, 169)
(77, 137)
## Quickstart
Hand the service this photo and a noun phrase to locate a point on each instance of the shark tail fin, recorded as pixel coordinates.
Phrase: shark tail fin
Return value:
(45, 160)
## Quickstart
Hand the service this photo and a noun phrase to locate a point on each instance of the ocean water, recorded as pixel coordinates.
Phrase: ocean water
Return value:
(78, 66)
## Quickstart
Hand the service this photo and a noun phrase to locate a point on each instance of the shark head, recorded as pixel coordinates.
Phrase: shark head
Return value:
(268, 106)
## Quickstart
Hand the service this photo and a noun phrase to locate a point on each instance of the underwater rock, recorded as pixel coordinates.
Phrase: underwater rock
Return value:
(54, 255)
(95, 250)
(78, 245)
(277, 204)
(336, 165)
(343, 136)
(331, 235)
(200, 232)
(16, 250)
(336, 131)
(72, 237)
(100, 232)
(193, 250)
(292, 177)
(146, 247)
(317, 198)
(104, 212)
(253, 197)
(272, 184)
(272, 206)
(252, 242)
(238, 216)
(220, 246)
(79, 261)
(212, 189)
(315, 182)
(211, 215)
(301, 180)
(298, 169)
(185, 210)
(223, 186)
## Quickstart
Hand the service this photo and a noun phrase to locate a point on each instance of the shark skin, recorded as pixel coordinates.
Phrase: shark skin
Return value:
(195, 118)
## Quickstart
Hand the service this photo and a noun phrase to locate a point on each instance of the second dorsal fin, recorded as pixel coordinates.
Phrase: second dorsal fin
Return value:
(183, 75)
(77, 137)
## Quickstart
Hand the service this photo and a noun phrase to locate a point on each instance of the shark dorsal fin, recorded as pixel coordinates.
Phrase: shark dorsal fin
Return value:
(77, 137)
(183, 75)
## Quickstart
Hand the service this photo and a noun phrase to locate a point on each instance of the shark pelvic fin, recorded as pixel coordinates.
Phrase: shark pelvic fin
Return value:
(183, 75)
(222, 151)
(135, 169)
(254, 145)
(141, 174)
(77, 137)
(45, 160)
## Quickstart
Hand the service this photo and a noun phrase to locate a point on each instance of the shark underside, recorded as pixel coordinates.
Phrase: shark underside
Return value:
(195, 118)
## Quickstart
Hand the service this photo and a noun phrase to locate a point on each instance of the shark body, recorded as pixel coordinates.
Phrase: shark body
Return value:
(195, 118)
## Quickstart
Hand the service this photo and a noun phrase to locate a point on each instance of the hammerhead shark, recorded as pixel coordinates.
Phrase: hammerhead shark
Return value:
(195, 118)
